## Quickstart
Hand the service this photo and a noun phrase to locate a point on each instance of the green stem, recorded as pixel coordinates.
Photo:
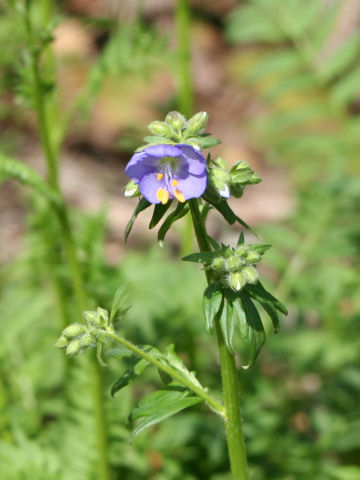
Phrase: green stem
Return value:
(185, 89)
(51, 151)
(200, 392)
(185, 92)
(230, 382)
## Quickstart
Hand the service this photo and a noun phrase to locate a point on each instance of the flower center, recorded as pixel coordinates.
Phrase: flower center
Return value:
(168, 167)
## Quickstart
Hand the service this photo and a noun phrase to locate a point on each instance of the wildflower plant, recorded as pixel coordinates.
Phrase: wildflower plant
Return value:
(170, 170)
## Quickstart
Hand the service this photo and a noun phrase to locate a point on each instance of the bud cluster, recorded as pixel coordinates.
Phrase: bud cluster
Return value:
(231, 182)
(78, 337)
(178, 129)
(236, 266)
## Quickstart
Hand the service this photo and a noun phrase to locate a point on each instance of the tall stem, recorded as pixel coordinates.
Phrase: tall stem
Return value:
(51, 151)
(185, 87)
(185, 91)
(230, 382)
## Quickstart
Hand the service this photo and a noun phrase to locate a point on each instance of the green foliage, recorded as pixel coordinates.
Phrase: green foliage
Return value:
(308, 93)
(14, 169)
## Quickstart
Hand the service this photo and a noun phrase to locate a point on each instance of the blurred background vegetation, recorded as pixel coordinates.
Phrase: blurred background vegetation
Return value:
(281, 83)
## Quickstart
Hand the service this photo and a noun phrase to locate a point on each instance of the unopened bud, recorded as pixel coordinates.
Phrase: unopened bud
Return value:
(251, 275)
(61, 342)
(221, 163)
(241, 250)
(160, 128)
(236, 281)
(218, 263)
(241, 173)
(219, 179)
(176, 121)
(73, 330)
(103, 315)
(234, 263)
(86, 341)
(253, 257)
(255, 178)
(91, 317)
(197, 123)
(132, 189)
(73, 348)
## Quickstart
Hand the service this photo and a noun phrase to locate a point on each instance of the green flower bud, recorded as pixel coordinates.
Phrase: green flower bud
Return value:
(228, 252)
(255, 178)
(73, 348)
(221, 163)
(236, 281)
(250, 273)
(234, 263)
(241, 251)
(176, 121)
(219, 179)
(197, 124)
(91, 317)
(160, 128)
(87, 340)
(252, 256)
(103, 316)
(193, 143)
(74, 330)
(218, 263)
(61, 342)
(132, 189)
(242, 173)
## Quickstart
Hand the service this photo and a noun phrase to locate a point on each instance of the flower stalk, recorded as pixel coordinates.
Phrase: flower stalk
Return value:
(230, 383)
(51, 151)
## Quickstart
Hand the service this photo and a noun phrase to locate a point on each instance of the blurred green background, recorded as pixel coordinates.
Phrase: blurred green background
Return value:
(281, 83)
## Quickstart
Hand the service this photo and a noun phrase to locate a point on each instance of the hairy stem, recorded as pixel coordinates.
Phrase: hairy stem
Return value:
(200, 392)
(230, 382)
(51, 151)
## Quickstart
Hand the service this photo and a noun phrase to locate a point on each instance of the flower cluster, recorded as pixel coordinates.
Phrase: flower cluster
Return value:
(232, 182)
(236, 266)
(78, 337)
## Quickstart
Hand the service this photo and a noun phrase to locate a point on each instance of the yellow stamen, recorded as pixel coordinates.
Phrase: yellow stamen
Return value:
(175, 182)
(162, 195)
(159, 176)
(179, 195)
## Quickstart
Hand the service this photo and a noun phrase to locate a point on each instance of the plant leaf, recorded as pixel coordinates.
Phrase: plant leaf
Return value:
(271, 311)
(227, 324)
(10, 168)
(118, 307)
(208, 142)
(179, 212)
(200, 257)
(212, 304)
(161, 405)
(135, 369)
(141, 206)
(159, 212)
(260, 294)
(251, 329)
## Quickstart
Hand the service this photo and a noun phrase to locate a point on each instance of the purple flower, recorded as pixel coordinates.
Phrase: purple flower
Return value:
(168, 171)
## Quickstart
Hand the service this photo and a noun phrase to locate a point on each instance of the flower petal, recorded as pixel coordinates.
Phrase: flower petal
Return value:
(194, 159)
(160, 151)
(192, 186)
(139, 165)
(149, 186)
